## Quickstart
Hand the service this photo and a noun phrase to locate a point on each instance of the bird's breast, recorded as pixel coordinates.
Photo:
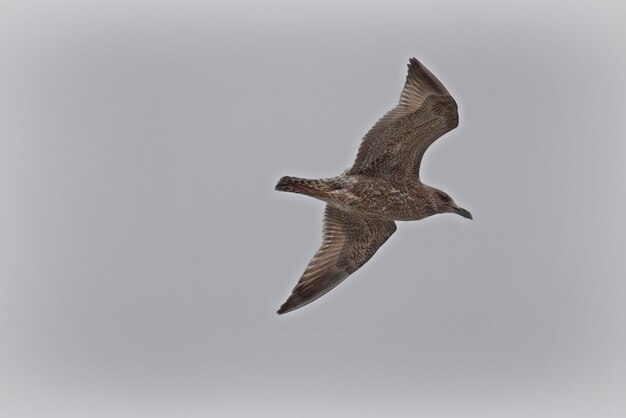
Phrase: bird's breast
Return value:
(382, 199)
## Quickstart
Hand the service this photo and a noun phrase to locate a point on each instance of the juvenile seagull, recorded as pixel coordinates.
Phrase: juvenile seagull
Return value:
(382, 186)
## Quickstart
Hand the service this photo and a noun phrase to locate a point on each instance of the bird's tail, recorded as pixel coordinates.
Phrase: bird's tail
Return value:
(304, 186)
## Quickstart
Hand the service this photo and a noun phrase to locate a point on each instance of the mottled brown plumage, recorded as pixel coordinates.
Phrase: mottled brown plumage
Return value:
(382, 186)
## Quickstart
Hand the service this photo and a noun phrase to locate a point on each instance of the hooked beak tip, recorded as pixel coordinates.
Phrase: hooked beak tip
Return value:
(464, 213)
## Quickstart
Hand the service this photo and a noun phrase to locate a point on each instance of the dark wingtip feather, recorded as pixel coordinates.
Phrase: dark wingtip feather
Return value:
(414, 66)
(288, 306)
(296, 301)
(421, 75)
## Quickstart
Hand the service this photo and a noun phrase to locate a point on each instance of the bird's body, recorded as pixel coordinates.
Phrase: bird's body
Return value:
(371, 197)
(381, 187)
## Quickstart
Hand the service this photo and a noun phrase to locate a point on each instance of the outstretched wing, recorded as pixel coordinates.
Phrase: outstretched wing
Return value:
(349, 241)
(395, 145)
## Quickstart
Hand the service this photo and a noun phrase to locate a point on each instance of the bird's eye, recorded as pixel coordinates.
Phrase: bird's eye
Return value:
(444, 197)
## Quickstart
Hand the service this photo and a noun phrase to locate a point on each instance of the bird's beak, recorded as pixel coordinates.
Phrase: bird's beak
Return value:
(463, 212)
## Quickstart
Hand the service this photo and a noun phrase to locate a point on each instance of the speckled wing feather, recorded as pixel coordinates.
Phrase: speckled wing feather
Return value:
(395, 145)
(349, 241)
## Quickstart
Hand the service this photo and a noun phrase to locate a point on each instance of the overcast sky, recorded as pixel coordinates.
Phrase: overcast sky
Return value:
(144, 252)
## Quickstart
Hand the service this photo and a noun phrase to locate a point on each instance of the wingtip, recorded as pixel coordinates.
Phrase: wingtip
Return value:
(419, 74)
(291, 304)
(284, 309)
(415, 69)
(414, 63)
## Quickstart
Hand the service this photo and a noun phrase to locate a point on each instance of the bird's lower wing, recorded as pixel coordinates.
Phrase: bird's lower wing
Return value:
(349, 241)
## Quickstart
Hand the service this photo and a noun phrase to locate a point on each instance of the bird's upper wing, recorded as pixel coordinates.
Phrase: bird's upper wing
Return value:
(395, 145)
(349, 241)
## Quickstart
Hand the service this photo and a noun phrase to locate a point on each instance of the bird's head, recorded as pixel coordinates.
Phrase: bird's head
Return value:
(443, 203)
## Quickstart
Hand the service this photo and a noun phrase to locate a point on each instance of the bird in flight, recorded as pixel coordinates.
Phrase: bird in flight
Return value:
(381, 187)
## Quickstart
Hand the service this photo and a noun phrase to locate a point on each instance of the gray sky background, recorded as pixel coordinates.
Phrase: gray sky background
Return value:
(143, 251)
